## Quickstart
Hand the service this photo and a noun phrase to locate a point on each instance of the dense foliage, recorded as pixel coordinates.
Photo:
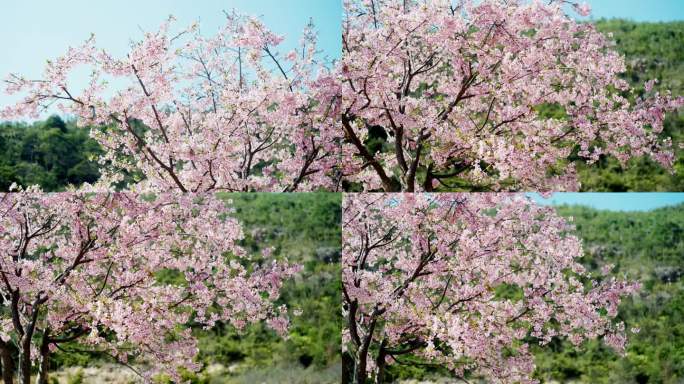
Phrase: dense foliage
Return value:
(652, 51)
(124, 275)
(51, 153)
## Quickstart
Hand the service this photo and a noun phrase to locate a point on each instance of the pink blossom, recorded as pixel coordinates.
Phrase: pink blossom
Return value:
(583, 9)
(422, 270)
(89, 267)
(455, 88)
(217, 109)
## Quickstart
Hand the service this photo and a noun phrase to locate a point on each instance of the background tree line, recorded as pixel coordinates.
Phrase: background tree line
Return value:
(51, 153)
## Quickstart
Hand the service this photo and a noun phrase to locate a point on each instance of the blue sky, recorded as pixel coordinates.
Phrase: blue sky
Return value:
(638, 10)
(633, 201)
(34, 31)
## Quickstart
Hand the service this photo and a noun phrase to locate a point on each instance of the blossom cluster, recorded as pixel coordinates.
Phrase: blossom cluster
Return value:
(498, 94)
(468, 281)
(125, 275)
(196, 113)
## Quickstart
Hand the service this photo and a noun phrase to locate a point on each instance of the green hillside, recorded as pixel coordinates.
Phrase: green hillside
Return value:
(50, 153)
(652, 51)
(648, 246)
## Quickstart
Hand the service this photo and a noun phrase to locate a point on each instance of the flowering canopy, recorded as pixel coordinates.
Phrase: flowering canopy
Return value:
(225, 112)
(493, 94)
(467, 281)
(124, 274)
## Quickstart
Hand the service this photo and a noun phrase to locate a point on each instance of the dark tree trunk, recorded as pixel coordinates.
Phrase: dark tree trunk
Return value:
(360, 363)
(347, 368)
(8, 367)
(25, 362)
(380, 362)
(44, 364)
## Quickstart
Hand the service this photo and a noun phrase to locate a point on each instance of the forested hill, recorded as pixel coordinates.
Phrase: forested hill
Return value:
(648, 246)
(652, 51)
(51, 153)
(54, 154)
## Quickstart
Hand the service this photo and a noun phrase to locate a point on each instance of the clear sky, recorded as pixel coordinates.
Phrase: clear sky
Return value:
(638, 10)
(33, 31)
(633, 201)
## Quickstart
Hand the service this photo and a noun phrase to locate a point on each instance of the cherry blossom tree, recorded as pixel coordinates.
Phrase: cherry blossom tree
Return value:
(124, 275)
(494, 94)
(468, 282)
(194, 113)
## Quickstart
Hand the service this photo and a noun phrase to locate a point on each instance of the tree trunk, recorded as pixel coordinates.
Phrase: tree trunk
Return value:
(44, 364)
(360, 366)
(7, 367)
(7, 353)
(25, 360)
(361, 358)
(24, 373)
(347, 368)
(380, 362)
